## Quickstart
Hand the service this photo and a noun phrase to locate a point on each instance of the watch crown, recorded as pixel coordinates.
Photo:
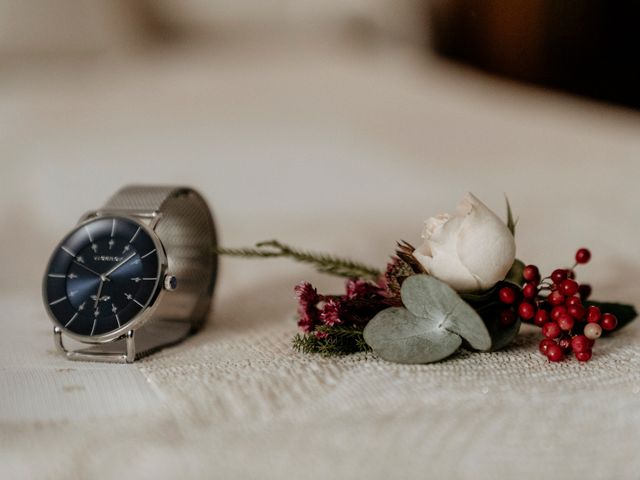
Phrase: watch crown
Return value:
(170, 282)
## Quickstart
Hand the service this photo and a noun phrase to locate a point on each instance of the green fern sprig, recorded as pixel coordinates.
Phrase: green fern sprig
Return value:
(323, 262)
(338, 341)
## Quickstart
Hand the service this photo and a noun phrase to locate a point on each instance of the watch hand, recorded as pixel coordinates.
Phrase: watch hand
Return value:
(105, 275)
(95, 303)
(87, 268)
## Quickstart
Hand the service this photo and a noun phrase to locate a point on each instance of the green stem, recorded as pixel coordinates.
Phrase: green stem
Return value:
(322, 262)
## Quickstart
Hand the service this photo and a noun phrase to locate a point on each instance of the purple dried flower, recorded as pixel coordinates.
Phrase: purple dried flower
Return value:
(305, 293)
(361, 289)
(330, 314)
(308, 312)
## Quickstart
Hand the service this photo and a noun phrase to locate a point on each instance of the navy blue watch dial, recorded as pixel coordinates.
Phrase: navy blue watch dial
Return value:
(102, 276)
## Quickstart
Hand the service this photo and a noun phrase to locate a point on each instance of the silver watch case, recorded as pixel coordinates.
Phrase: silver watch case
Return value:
(147, 222)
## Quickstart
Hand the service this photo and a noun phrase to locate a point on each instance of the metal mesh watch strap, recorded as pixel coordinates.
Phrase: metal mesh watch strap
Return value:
(182, 221)
(186, 229)
(143, 198)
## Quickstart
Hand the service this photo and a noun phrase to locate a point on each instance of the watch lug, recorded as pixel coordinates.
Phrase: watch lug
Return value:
(150, 219)
(88, 355)
(87, 215)
(57, 340)
(131, 346)
(154, 220)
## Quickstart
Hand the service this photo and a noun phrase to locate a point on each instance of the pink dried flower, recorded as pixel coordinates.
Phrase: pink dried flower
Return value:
(330, 314)
(361, 289)
(307, 306)
(305, 293)
(307, 320)
(321, 335)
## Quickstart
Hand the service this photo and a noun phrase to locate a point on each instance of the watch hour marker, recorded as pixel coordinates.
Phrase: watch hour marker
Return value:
(72, 293)
(138, 303)
(126, 248)
(94, 247)
(136, 279)
(88, 233)
(81, 307)
(147, 254)
(135, 235)
(111, 243)
(80, 259)
(149, 279)
(113, 227)
(72, 276)
(58, 300)
(68, 251)
(93, 328)
(114, 309)
(128, 296)
(57, 275)
(71, 320)
(118, 319)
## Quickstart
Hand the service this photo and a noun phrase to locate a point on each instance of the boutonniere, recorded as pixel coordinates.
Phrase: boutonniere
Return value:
(461, 287)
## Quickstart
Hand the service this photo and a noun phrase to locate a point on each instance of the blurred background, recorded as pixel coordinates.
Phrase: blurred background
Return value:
(290, 115)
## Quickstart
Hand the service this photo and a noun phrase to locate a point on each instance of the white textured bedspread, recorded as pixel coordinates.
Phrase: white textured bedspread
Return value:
(340, 151)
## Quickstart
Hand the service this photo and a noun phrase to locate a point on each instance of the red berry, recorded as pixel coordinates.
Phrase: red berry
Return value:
(571, 301)
(541, 318)
(592, 331)
(565, 322)
(593, 314)
(558, 276)
(580, 343)
(583, 255)
(569, 287)
(584, 291)
(555, 298)
(526, 311)
(508, 317)
(557, 312)
(555, 353)
(507, 295)
(529, 291)
(584, 356)
(531, 273)
(577, 311)
(608, 321)
(551, 330)
(544, 345)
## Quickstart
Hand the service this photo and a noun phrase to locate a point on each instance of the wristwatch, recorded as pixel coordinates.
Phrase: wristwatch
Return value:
(134, 276)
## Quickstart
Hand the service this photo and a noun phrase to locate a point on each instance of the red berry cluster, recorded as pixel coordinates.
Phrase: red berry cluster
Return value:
(555, 303)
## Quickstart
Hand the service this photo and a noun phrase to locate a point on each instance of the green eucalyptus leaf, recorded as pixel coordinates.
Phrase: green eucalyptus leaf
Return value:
(397, 335)
(430, 328)
(427, 297)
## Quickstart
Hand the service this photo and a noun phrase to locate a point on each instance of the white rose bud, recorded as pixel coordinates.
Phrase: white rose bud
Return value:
(471, 251)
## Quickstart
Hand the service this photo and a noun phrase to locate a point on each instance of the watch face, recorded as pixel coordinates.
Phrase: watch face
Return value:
(102, 275)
